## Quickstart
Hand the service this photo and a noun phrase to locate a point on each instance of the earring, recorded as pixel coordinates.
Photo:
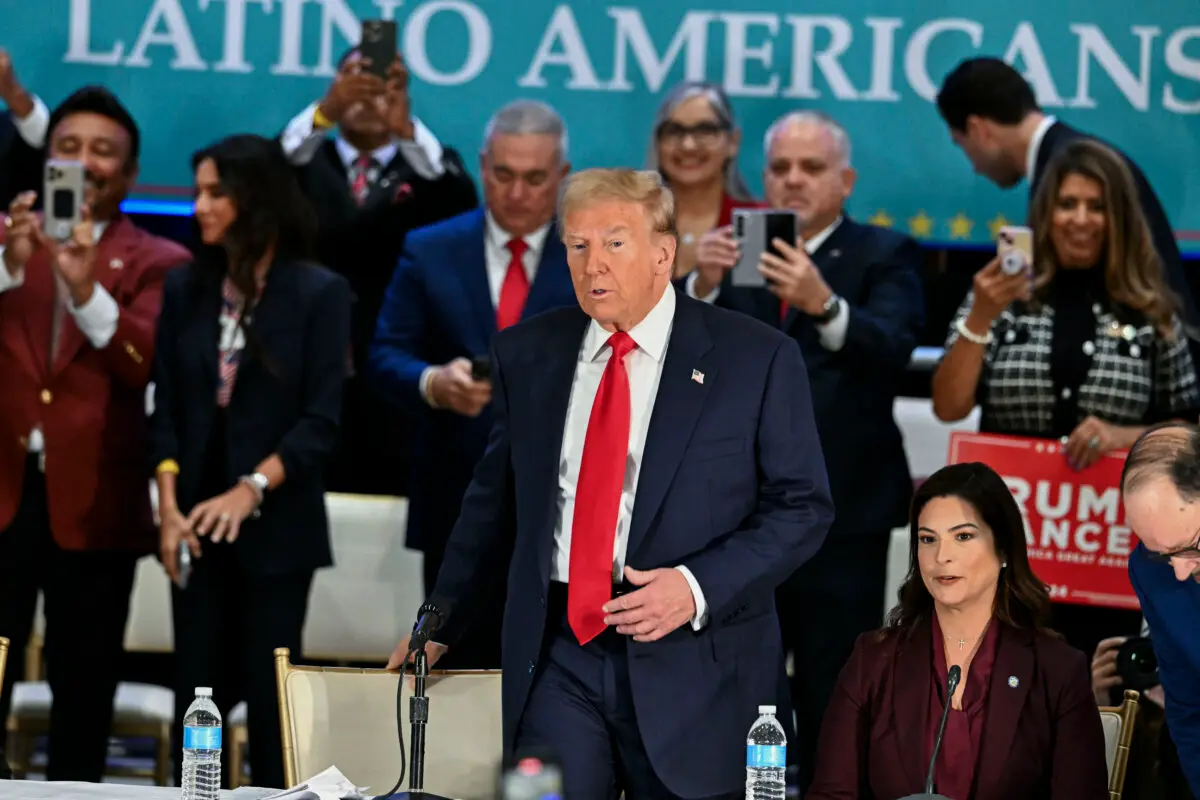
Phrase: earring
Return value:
(1003, 564)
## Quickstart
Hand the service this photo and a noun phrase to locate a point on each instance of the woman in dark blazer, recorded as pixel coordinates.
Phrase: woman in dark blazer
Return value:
(1023, 722)
(252, 352)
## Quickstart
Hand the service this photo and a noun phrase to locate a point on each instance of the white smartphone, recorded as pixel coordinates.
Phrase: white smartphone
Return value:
(62, 198)
(755, 229)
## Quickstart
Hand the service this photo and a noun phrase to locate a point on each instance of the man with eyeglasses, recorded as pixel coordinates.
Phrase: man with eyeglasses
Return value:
(1161, 490)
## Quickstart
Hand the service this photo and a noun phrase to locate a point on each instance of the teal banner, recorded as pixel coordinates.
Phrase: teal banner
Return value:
(195, 70)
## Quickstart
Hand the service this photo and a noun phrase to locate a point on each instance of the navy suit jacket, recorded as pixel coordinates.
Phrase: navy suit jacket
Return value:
(439, 308)
(877, 272)
(732, 486)
(287, 400)
(1172, 610)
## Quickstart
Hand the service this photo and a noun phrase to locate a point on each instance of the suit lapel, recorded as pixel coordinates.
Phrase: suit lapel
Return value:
(911, 698)
(112, 253)
(546, 288)
(389, 185)
(827, 260)
(275, 308)
(676, 410)
(471, 268)
(1012, 675)
(39, 294)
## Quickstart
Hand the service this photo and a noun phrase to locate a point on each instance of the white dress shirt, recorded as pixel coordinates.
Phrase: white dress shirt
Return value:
(1035, 145)
(36, 125)
(96, 319)
(301, 139)
(644, 365)
(497, 257)
(832, 334)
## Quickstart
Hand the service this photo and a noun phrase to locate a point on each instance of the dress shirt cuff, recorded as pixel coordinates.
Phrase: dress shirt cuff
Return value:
(701, 618)
(832, 334)
(424, 385)
(97, 318)
(302, 138)
(34, 127)
(7, 279)
(689, 285)
(423, 152)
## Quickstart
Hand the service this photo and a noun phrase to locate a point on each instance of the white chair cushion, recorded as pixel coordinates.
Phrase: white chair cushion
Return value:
(1110, 721)
(135, 703)
(237, 716)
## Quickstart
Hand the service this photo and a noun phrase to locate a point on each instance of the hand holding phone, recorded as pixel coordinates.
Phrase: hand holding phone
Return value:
(755, 231)
(63, 195)
(378, 46)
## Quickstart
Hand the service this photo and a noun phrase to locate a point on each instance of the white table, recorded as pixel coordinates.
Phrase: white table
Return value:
(40, 790)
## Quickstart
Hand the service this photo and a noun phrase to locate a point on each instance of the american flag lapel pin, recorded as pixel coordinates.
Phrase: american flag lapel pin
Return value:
(698, 376)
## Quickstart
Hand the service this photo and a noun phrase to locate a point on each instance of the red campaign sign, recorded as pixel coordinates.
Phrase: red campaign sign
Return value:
(1075, 528)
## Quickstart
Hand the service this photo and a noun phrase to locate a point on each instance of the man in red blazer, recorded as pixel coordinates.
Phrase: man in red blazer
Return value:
(77, 322)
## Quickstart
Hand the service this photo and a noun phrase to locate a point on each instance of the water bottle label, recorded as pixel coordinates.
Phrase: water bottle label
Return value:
(201, 738)
(766, 755)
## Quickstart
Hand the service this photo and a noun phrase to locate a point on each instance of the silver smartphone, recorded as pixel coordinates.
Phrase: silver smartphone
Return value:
(754, 229)
(62, 198)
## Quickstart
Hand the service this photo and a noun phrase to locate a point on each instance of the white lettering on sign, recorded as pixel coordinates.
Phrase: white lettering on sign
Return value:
(1072, 518)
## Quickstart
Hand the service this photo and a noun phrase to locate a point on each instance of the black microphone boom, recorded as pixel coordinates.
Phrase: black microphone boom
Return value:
(952, 681)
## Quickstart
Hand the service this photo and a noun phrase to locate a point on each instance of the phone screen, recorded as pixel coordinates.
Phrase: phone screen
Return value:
(780, 225)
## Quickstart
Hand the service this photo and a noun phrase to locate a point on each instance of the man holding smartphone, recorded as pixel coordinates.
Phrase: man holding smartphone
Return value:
(851, 295)
(77, 321)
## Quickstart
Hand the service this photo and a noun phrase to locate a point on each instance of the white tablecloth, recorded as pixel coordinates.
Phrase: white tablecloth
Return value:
(40, 790)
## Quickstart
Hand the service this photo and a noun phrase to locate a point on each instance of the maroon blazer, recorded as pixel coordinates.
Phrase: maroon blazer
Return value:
(1042, 738)
(91, 404)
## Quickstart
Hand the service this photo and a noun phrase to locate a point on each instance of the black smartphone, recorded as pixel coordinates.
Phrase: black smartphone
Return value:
(481, 368)
(378, 45)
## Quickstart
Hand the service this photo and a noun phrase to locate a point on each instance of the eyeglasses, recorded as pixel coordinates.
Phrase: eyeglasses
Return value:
(705, 134)
(1189, 552)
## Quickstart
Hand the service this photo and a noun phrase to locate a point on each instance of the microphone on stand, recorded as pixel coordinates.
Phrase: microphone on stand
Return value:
(952, 680)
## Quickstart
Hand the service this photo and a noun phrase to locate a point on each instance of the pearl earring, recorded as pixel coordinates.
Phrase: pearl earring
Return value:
(1003, 564)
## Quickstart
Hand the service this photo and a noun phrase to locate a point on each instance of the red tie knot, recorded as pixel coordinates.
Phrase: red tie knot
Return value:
(517, 247)
(621, 343)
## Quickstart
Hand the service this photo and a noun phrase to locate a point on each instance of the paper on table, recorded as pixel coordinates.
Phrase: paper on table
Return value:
(328, 785)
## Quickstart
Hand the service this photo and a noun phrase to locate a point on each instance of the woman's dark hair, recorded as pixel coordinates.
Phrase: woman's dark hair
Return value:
(272, 209)
(1022, 600)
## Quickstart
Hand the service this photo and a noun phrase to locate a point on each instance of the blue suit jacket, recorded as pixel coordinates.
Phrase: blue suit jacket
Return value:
(1172, 609)
(732, 486)
(439, 308)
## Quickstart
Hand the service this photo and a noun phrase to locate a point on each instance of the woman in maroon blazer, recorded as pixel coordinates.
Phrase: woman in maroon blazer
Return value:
(1023, 722)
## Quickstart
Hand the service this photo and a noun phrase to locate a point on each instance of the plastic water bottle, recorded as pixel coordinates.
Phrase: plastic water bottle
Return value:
(766, 758)
(202, 748)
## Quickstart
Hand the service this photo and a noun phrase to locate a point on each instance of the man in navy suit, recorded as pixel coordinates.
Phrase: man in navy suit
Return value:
(851, 295)
(458, 283)
(22, 135)
(655, 467)
(1161, 490)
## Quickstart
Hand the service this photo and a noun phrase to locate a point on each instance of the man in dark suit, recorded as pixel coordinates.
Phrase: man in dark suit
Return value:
(457, 284)
(851, 296)
(994, 118)
(381, 174)
(77, 325)
(1161, 491)
(22, 135)
(655, 466)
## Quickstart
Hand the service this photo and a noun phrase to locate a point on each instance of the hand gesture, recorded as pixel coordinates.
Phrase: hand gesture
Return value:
(452, 387)
(663, 603)
(795, 278)
(716, 253)
(352, 85)
(75, 259)
(433, 651)
(1091, 439)
(223, 515)
(22, 233)
(1104, 669)
(399, 104)
(172, 530)
(995, 291)
(11, 91)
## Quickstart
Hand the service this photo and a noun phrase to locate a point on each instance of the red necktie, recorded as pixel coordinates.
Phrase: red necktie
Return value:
(783, 309)
(515, 288)
(598, 496)
(360, 178)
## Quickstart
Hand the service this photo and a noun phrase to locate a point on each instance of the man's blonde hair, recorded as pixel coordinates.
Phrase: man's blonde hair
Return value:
(644, 187)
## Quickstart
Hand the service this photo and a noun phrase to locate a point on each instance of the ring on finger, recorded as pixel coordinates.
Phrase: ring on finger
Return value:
(224, 518)
(1094, 443)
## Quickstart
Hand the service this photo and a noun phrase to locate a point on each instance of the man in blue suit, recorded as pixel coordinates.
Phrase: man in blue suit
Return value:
(1161, 489)
(457, 284)
(655, 467)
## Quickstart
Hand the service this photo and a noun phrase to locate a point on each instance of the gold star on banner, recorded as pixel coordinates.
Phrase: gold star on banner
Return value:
(921, 225)
(994, 225)
(881, 219)
(960, 226)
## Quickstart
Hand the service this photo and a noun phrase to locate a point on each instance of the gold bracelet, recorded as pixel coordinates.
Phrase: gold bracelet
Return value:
(169, 466)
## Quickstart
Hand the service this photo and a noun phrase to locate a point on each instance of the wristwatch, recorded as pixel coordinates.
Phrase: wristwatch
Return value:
(258, 482)
(829, 311)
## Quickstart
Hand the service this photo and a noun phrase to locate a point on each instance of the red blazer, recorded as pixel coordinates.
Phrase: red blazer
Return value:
(728, 204)
(91, 405)
(1042, 738)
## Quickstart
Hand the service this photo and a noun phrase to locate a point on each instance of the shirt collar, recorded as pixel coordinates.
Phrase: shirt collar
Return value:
(813, 244)
(349, 153)
(1035, 144)
(650, 335)
(498, 237)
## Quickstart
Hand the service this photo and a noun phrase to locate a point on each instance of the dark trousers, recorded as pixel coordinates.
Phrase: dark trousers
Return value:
(823, 608)
(227, 626)
(581, 709)
(86, 606)
(479, 646)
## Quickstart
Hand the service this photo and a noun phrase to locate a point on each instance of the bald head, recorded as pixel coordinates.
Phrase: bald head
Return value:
(1161, 488)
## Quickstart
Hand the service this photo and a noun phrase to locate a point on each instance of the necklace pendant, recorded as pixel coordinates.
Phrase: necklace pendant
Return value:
(962, 643)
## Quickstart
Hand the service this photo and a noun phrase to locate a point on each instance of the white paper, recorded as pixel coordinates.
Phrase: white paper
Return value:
(328, 785)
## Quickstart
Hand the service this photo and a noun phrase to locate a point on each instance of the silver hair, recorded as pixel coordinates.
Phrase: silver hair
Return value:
(841, 139)
(735, 184)
(522, 117)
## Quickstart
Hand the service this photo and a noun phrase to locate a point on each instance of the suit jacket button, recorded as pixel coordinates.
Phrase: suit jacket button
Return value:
(542, 600)
(530, 667)
(46, 397)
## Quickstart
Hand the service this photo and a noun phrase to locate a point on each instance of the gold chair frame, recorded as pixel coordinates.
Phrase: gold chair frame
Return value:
(1127, 711)
(3, 657)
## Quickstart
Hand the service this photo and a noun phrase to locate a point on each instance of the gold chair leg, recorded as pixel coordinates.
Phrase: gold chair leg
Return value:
(162, 756)
(22, 752)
